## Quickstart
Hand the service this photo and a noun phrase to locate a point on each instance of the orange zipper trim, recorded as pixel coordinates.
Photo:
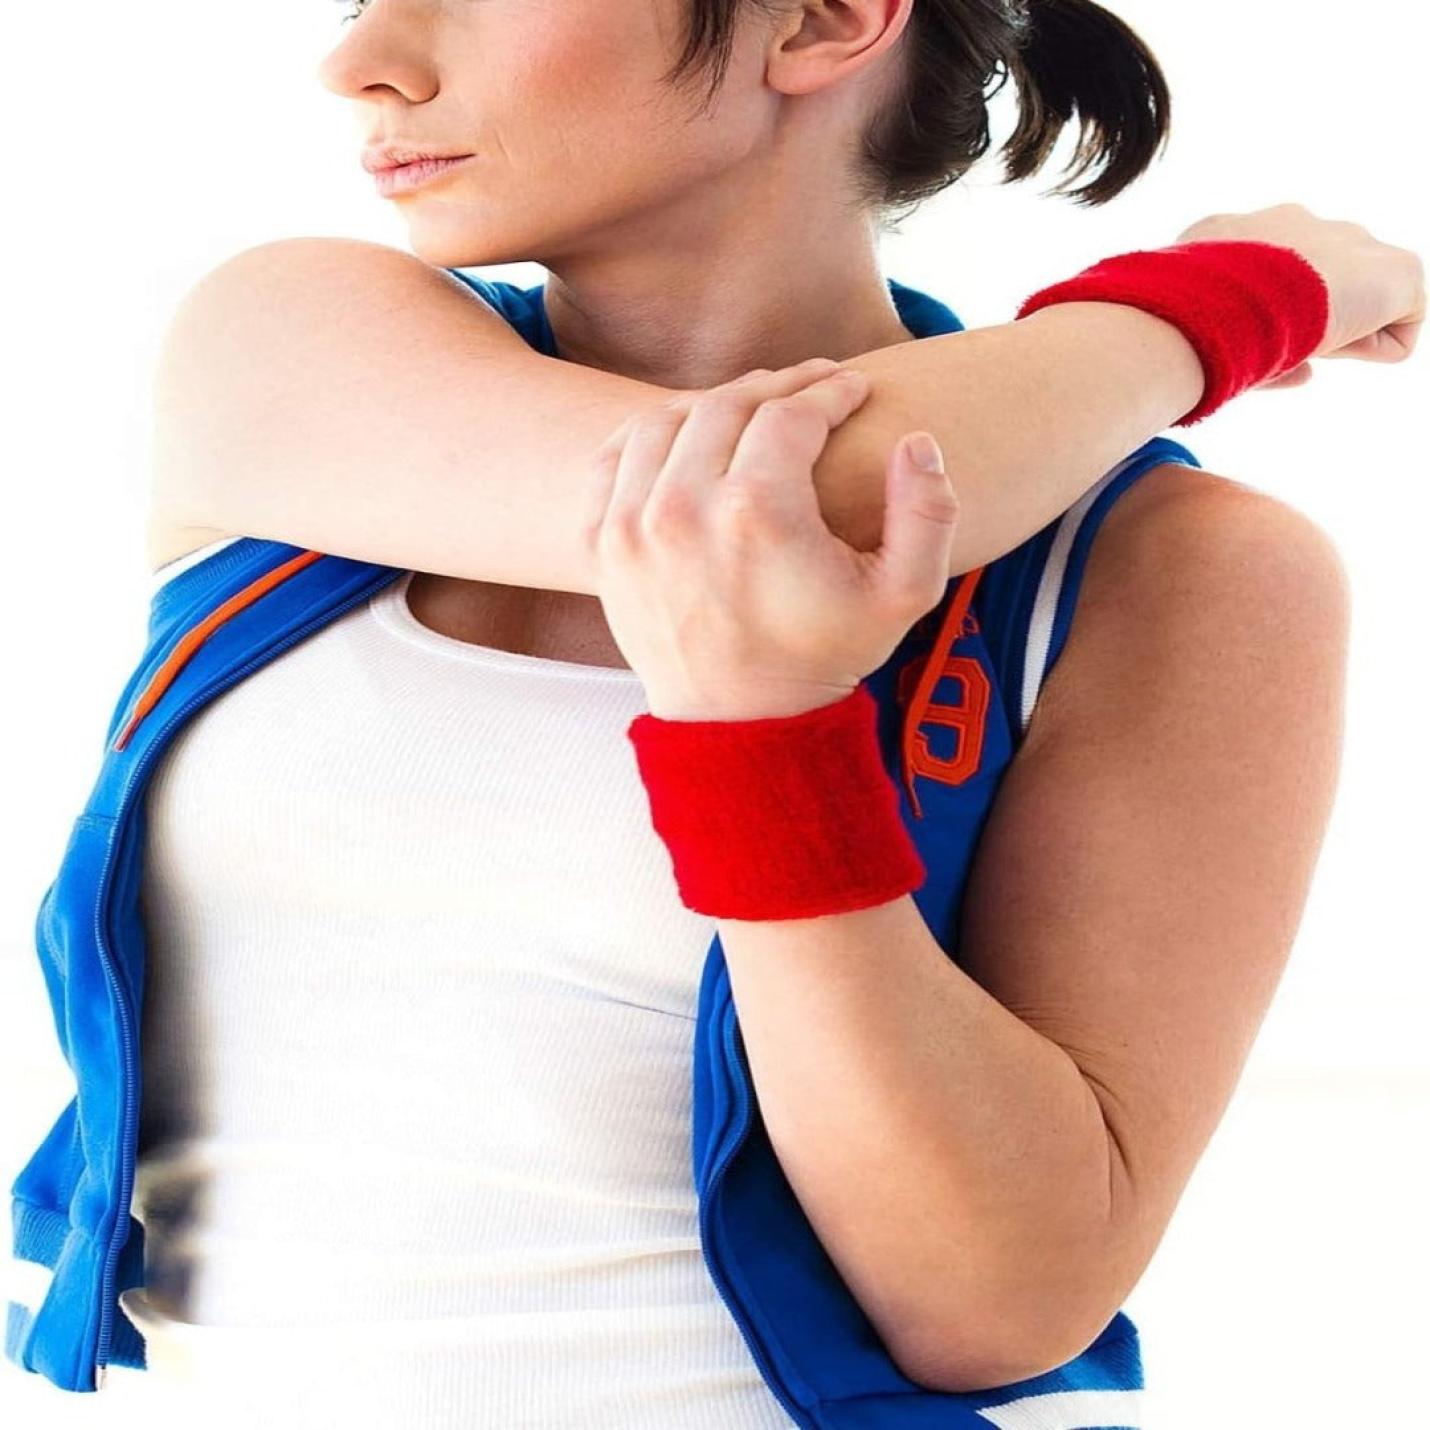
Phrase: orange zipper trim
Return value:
(162, 678)
(193, 638)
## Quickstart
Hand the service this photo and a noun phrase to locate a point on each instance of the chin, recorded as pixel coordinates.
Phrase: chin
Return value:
(450, 250)
(447, 233)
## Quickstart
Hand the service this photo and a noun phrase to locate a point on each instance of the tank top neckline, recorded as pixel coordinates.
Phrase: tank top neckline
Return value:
(391, 609)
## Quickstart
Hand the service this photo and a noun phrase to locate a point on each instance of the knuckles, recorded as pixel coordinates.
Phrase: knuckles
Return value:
(722, 402)
(745, 513)
(670, 517)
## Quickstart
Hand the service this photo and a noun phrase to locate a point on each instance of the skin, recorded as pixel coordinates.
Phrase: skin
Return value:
(683, 252)
(352, 398)
(1024, 1121)
(665, 242)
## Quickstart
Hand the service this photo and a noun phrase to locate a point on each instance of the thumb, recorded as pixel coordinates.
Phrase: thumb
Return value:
(920, 516)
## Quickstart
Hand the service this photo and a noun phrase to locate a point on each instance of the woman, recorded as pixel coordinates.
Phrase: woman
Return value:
(460, 1193)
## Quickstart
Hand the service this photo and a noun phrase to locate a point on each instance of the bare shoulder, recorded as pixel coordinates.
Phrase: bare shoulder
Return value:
(254, 310)
(1193, 564)
(319, 267)
(1189, 505)
(266, 416)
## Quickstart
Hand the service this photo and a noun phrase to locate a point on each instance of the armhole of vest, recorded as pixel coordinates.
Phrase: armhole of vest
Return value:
(1051, 590)
(184, 586)
(188, 588)
(518, 306)
(171, 570)
(171, 591)
(489, 290)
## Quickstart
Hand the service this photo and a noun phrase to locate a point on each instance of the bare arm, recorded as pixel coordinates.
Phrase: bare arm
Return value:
(353, 399)
(1025, 1121)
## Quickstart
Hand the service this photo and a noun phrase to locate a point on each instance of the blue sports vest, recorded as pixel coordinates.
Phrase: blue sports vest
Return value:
(954, 702)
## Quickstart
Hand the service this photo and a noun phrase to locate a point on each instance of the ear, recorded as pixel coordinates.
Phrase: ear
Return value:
(818, 42)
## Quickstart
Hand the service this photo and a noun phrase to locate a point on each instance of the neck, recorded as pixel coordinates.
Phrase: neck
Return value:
(698, 297)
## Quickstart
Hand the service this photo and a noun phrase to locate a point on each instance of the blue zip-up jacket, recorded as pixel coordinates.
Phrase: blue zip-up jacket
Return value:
(954, 701)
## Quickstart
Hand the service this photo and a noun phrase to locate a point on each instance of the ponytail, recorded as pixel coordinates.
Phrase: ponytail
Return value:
(1069, 58)
(1074, 56)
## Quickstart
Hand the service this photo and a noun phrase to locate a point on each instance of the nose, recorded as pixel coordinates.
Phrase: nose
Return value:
(378, 51)
(346, 69)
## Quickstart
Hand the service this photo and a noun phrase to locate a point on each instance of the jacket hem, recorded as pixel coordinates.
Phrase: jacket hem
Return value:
(42, 1337)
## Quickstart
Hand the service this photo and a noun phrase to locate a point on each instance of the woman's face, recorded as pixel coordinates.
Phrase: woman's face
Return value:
(577, 140)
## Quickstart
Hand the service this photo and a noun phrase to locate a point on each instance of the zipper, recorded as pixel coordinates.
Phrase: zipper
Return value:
(716, 1268)
(167, 596)
(126, 1168)
(121, 999)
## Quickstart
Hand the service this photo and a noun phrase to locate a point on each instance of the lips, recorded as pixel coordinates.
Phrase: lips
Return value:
(408, 177)
(380, 159)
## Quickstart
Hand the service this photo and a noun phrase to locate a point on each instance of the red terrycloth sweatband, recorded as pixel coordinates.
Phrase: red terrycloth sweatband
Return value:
(1252, 310)
(784, 817)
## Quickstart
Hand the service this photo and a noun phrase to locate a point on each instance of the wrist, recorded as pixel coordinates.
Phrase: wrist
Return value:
(778, 817)
(769, 701)
(1252, 310)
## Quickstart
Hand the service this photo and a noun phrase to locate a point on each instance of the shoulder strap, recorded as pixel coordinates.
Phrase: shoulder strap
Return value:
(1027, 597)
(523, 308)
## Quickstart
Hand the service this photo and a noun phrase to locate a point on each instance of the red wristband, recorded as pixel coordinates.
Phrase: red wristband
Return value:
(1251, 310)
(778, 818)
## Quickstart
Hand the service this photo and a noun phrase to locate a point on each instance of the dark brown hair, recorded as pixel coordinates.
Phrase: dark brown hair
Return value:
(1067, 57)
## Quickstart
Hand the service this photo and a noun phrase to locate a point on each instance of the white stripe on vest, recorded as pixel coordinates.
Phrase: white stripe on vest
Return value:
(1069, 1410)
(1050, 585)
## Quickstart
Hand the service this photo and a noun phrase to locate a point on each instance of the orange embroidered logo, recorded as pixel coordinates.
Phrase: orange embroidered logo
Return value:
(969, 717)
(914, 689)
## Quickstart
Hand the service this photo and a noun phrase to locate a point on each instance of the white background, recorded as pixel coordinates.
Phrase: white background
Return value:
(149, 142)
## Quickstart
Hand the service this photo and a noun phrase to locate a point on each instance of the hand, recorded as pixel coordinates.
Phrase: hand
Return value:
(721, 582)
(1377, 291)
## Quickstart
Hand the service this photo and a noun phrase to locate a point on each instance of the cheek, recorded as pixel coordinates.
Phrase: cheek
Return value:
(586, 80)
(581, 129)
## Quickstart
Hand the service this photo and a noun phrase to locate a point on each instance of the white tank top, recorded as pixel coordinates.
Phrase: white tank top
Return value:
(415, 1133)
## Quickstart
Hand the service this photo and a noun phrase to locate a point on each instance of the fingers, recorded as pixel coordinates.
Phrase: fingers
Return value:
(1393, 343)
(785, 435)
(660, 467)
(767, 382)
(701, 448)
(649, 459)
(921, 513)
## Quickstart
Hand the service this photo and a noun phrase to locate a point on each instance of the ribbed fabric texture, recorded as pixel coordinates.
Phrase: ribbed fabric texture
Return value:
(1251, 310)
(418, 1020)
(778, 817)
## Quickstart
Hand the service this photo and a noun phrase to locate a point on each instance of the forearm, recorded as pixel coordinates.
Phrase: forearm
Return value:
(952, 1160)
(352, 399)
(1029, 415)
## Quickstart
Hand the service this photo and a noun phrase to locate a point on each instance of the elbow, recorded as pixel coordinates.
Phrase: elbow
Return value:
(992, 1352)
(970, 1369)
(1018, 1316)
